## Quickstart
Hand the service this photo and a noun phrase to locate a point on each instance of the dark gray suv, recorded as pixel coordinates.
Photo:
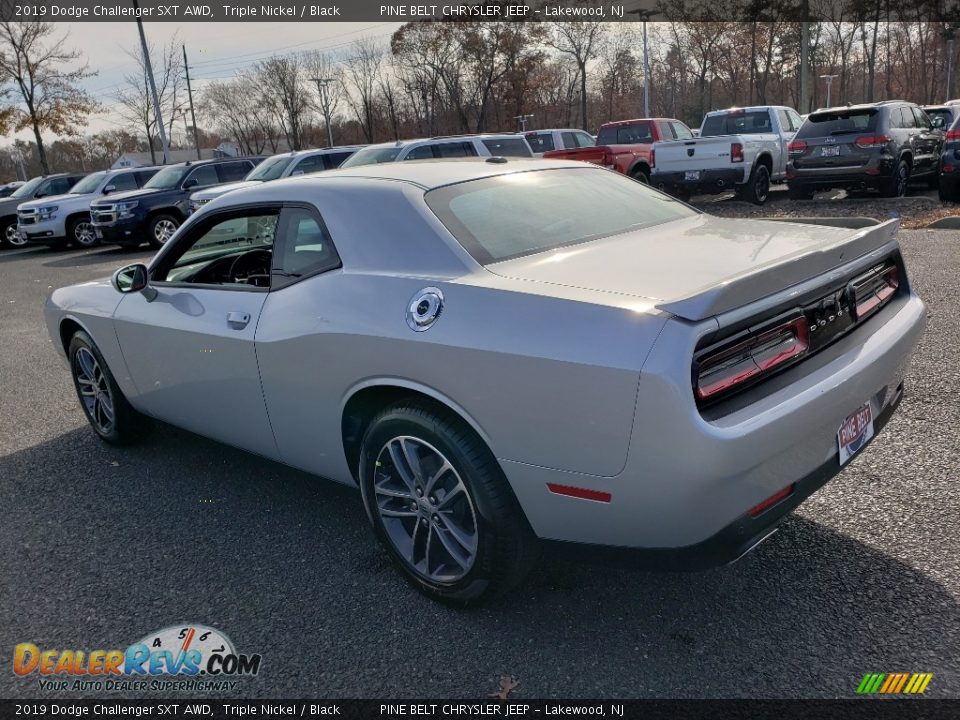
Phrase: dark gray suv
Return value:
(879, 146)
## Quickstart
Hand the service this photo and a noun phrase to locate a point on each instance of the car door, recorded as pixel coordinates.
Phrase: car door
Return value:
(188, 339)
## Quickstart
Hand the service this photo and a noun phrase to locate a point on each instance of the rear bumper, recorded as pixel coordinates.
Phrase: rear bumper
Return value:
(870, 175)
(710, 181)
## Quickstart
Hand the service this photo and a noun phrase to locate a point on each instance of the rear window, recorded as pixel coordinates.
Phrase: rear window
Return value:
(507, 147)
(374, 154)
(521, 213)
(625, 134)
(944, 115)
(540, 142)
(753, 122)
(839, 123)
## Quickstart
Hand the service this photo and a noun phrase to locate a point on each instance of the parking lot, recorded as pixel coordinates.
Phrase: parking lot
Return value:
(100, 546)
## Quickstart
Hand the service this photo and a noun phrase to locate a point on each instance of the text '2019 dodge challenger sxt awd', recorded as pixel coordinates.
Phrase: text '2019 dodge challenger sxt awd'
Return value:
(504, 353)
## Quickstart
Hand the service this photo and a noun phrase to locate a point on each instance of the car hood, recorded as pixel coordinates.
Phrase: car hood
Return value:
(43, 202)
(218, 190)
(702, 266)
(132, 195)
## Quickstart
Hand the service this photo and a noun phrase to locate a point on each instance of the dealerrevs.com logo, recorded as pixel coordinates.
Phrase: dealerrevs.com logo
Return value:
(188, 657)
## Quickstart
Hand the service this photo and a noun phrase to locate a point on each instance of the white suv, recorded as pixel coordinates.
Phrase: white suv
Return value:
(299, 162)
(65, 219)
(439, 148)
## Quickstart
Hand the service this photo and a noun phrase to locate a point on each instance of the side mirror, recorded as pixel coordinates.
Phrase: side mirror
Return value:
(109, 189)
(936, 123)
(192, 182)
(133, 278)
(296, 172)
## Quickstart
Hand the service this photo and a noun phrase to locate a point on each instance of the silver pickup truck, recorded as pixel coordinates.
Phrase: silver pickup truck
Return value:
(743, 149)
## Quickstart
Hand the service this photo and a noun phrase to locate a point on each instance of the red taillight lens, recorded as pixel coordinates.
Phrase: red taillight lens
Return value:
(736, 152)
(746, 359)
(872, 141)
(797, 147)
(953, 134)
(947, 169)
(873, 290)
(771, 501)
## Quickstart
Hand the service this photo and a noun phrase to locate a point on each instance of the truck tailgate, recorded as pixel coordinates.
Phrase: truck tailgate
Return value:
(593, 154)
(699, 154)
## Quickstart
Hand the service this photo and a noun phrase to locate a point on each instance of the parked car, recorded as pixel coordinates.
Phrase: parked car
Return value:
(441, 148)
(300, 162)
(941, 116)
(879, 146)
(949, 164)
(154, 212)
(7, 189)
(542, 141)
(740, 149)
(65, 219)
(500, 353)
(626, 145)
(39, 187)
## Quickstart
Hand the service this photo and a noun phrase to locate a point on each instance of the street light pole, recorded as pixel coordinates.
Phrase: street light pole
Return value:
(829, 79)
(644, 16)
(522, 122)
(193, 117)
(325, 104)
(153, 85)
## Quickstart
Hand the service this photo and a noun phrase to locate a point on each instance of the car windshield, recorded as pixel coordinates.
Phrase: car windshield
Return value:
(167, 178)
(371, 155)
(825, 124)
(625, 134)
(25, 191)
(516, 214)
(88, 185)
(940, 113)
(737, 123)
(270, 169)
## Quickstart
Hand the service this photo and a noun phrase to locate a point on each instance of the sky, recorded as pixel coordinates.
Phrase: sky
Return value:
(215, 50)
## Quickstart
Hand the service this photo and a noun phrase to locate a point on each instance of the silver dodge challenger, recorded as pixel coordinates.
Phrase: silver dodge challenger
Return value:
(509, 354)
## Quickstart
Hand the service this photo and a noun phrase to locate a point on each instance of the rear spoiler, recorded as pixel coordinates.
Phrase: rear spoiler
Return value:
(762, 282)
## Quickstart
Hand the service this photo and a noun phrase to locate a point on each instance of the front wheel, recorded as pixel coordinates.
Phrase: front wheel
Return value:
(9, 235)
(440, 505)
(160, 229)
(757, 188)
(104, 404)
(641, 176)
(80, 232)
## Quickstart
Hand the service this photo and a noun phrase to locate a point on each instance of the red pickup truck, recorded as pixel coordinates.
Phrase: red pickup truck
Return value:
(627, 145)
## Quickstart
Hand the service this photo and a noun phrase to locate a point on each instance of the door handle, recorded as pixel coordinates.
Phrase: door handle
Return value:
(238, 320)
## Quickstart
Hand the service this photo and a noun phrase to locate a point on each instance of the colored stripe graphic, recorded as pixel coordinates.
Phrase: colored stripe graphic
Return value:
(894, 683)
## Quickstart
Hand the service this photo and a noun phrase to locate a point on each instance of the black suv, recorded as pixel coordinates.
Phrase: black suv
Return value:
(154, 212)
(878, 146)
(950, 164)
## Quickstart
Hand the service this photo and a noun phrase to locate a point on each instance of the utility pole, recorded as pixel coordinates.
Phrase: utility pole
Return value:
(193, 117)
(829, 79)
(804, 59)
(522, 122)
(153, 85)
(325, 105)
(645, 15)
(949, 34)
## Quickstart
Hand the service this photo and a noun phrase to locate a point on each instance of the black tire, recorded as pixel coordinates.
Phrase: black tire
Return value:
(157, 222)
(640, 175)
(896, 184)
(947, 191)
(80, 233)
(506, 548)
(757, 188)
(7, 226)
(799, 192)
(128, 425)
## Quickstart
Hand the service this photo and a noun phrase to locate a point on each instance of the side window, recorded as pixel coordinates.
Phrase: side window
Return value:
(666, 132)
(333, 160)
(569, 139)
(795, 120)
(584, 140)
(62, 185)
(455, 150)
(204, 175)
(423, 152)
(225, 250)
(232, 171)
(923, 120)
(123, 181)
(144, 175)
(784, 120)
(540, 142)
(310, 164)
(682, 131)
(304, 248)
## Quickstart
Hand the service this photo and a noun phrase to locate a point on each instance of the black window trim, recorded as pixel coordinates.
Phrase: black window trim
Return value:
(283, 239)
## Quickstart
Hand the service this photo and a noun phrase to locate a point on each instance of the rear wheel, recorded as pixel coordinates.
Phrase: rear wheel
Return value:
(896, 184)
(161, 228)
(640, 175)
(9, 235)
(757, 188)
(106, 408)
(80, 232)
(440, 505)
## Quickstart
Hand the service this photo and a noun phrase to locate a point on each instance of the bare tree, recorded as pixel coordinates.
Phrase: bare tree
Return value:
(361, 75)
(582, 41)
(46, 74)
(284, 95)
(231, 107)
(318, 65)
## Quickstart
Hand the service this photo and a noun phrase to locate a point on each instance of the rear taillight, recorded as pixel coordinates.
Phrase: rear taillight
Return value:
(607, 160)
(953, 135)
(653, 157)
(797, 147)
(872, 290)
(774, 499)
(872, 141)
(747, 357)
(736, 152)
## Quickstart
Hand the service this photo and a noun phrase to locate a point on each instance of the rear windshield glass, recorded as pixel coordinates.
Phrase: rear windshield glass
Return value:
(507, 147)
(625, 134)
(839, 123)
(521, 213)
(737, 123)
(540, 142)
(941, 113)
(372, 155)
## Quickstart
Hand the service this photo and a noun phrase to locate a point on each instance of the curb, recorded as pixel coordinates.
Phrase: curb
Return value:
(946, 223)
(841, 222)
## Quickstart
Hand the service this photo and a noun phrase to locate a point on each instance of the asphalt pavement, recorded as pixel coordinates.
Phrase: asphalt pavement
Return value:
(100, 546)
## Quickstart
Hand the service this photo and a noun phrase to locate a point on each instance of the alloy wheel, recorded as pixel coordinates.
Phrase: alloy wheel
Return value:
(427, 512)
(164, 230)
(13, 237)
(94, 390)
(84, 234)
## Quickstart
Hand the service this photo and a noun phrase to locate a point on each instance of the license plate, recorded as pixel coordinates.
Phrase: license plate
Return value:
(854, 433)
(99, 233)
(829, 151)
(691, 175)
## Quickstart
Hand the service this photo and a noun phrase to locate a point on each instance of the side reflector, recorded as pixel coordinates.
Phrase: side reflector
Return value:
(771, 501)
(578, 492)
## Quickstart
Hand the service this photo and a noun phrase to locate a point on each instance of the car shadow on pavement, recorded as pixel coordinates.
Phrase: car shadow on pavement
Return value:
(122, 256)
(102, 545)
